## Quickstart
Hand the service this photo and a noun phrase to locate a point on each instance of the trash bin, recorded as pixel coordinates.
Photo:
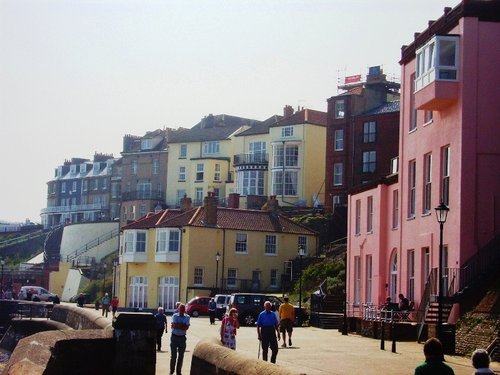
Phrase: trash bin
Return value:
(448, 338)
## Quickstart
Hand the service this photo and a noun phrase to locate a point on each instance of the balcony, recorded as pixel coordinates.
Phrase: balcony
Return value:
(135, 257)
(437, 95)
(167, 257)
(260, 159)
(74, 208)
(157, 195)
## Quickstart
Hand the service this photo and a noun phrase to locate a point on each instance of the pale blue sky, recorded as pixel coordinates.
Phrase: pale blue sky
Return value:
(75, 76)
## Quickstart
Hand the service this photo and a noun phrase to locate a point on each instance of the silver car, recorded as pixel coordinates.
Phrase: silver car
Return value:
(38, 293)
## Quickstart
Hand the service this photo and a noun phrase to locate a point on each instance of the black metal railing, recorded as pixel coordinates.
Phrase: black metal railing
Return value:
(259, 158)
(144, 195)
(92, 244)
(241, 285)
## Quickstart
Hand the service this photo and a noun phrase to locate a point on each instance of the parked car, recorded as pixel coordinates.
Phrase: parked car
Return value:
(250, 305)
(197, 306)
(37, 293)
(222, 300)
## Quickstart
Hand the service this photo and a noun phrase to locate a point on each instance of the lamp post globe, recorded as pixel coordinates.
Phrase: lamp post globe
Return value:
(441, 215)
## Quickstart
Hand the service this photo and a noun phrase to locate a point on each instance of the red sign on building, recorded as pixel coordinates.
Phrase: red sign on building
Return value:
(352, 79)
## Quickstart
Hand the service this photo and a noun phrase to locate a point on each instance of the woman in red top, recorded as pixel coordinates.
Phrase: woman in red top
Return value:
(228, 329)
(114, 305)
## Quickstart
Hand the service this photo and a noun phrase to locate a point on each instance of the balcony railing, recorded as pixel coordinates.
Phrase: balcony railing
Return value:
(242, 159)
(241, 285)
(74, 208)
(143, 195)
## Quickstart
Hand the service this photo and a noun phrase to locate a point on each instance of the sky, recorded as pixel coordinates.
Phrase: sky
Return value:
(76, 76)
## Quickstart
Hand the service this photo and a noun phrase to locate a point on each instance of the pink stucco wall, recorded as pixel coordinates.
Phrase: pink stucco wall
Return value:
(469, 125)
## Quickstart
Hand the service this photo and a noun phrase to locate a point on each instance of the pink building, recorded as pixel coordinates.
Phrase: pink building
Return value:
(449, 151)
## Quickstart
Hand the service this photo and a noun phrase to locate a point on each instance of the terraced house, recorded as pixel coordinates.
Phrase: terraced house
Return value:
(175, 254)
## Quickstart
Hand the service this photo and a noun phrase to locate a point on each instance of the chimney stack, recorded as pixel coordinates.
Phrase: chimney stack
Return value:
(186, 203)
(288, 111)
(272, 204)
(210, 209)
(233, 200)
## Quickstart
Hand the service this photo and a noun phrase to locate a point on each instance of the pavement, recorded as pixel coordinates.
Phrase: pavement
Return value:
(318, 351)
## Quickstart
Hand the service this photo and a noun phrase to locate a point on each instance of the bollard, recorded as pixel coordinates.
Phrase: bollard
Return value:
(393, 336)
(382, 335)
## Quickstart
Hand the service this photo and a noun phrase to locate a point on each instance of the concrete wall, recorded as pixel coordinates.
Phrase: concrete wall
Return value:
(211, 358)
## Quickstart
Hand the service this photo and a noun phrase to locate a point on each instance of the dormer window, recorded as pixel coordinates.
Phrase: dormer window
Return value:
(146, 144)
(437, 61)
(83, 168)
(72, 169)
(96, 168)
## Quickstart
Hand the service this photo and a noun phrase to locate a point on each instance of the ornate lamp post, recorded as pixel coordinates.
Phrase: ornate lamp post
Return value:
(441, 214)
(217, 258)
(301, 252)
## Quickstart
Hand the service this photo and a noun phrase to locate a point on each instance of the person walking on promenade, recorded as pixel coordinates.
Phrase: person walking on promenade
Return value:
(105, 304)
(114, 305)
(481, 362)
(180, 324)
(80, 300)
(161, 325)
(212, 306)
(287, 317)
(268, 332)
(228, 329)
(433, 364)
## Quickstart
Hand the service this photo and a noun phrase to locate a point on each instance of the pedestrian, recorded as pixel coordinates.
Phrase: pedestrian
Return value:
(180, 324)
(80, 300)
(56, 300)
(161, 325)
(114, 305)
(434, 360)
(268, 332)
(105, 304)
(404, 303)
(481, 362)
(228, 329)
(287, 317)
(212, 306)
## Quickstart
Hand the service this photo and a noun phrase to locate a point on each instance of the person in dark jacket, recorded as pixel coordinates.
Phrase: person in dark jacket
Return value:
(161, 325)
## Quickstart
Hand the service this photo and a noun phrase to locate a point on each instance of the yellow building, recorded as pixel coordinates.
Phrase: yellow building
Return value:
(174, 255)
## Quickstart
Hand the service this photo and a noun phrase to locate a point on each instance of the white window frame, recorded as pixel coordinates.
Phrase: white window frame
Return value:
(369, 214)
(198, 275)
(369, 279)
(287, 131)
(167, 240)
(410, 294)
(369, 132)
(133, 166)
(412, 177)
(431, 64)
(183, 151)
(395, 209)
(232, 276)
(339, 109)
(136, 241)
(271, 245)
(273, 278)
(290, 183)
(445, 174)
(338, 174)
(200, 171)
(302, 243)
(338, 144)
(168, 292)
(357, 280)
(138, 292)
(369, 161)
(217, 172)
(357, 222)
(427, 188)
(211, 147)
(146, 144)
(182, 173)
(241, 244)
(156, 166)
(251, 182)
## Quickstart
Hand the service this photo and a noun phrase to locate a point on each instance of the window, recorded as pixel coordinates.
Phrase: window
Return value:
(146, 144)
(212, 147)
(411, 275)
(338, 171)
(144, 189)
(258, 151)
(437, 61)
(287, 131)
(180, 194)
(286, 155)
(183, 151)
(339, 140)
(445, 175)
(104, 184)
(182, 173)
(270, 245)
(412, 169)
(369, 132)
(369, 161)
(73, 187)
(273, 278)
(199, 172)
(83, 168)
(85, 185)
(142, 210)
(167, 240)
(138, 292)
(134, 167)
(426, 268)
(369, 276)
(369, 215)
(135, 241)
(286, 185)
(413, 109)
(232, 275)
(96, 184)
(302, 243)
(168, 292)
(198, 276)
(251, 183)
(217, 172)
(156, 166)
(427, 183)
(72, 170)
(198, 192)
(339, 109)
(395, 209)
(132, 212)
(63, 187)
(241, 243)
(357, 228)
(428, 115)
(357, 280)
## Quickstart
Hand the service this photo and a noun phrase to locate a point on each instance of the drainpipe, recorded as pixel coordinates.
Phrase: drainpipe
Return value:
(223, 256)
(180, 265)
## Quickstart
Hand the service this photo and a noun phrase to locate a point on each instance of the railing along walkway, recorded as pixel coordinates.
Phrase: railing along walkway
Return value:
(381, 314)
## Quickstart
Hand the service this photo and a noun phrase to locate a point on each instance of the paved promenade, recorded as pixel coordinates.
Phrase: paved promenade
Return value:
(320, 352)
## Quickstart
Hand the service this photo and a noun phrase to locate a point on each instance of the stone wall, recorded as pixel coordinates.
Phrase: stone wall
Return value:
(211, 358)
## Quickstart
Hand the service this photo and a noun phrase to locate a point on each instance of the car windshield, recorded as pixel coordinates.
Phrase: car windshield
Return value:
(192, 300)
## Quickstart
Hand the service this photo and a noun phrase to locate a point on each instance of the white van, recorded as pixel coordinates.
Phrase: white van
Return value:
(37, 293)
(221, 300)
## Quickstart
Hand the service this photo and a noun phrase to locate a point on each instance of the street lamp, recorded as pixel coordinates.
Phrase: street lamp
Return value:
(2, 262)
(441, 215)
(104, 278)
(115, 264)
(301, 253)
(217, 258)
